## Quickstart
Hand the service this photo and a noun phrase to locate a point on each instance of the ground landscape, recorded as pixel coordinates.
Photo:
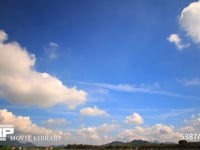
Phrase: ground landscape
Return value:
(133, 145)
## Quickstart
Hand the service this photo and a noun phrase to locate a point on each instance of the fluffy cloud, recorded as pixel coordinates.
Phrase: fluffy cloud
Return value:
(21, 83)
(190, 21)
(90, 135)
(22, 124)
(187, 129)
(96, 135)
(3, 36)
(174, 38)
(95, 111)
(108, 127)
(134, 119)
(194, 121)
(159, 131)
(100, 134)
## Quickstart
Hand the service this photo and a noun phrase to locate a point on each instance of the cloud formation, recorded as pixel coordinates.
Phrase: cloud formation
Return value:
(22, 124)
(89, 135)
(194, 120)
(187, 129)
(190, 21)
(134, 119)
(159, 131)
(96, 135)
(21, 83)
(95, 111)
(174, 38)
(102, 134)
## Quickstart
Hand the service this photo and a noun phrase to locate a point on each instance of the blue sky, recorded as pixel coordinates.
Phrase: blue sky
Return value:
(80, 67)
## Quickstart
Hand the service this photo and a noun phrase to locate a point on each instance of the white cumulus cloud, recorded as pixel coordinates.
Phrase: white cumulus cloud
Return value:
(22, 124)
(194, 121)
(102, 134)
(96, 135)
(89, 132)
(160, 132)
(190, 20)
(134, 119)
(187, 129)
(21, 83)
(95, 111)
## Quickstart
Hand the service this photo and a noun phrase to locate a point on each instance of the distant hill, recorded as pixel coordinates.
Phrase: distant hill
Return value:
(116, 143)
(134, 142)
(169, 143)
(138, 142)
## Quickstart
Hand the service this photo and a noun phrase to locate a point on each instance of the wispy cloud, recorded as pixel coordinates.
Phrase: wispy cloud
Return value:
(51, 50)
(173, 113)
(121, 87)
(53, 44)
(152, 89)
(175, 38)
(190, 82)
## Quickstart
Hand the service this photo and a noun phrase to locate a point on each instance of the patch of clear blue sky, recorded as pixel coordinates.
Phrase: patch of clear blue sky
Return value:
(107, 41)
